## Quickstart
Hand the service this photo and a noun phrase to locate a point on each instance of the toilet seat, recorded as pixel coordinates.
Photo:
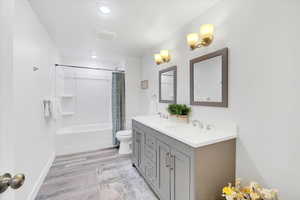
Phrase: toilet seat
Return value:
(124, 133)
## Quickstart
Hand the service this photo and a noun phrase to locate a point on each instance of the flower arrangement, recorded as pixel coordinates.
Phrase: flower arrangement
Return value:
(252, 192)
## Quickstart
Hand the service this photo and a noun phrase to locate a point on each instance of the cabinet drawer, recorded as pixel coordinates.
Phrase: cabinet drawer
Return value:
(150, 141)
(150, 154)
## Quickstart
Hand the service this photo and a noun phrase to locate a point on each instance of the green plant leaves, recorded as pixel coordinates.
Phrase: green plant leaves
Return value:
(179, 109)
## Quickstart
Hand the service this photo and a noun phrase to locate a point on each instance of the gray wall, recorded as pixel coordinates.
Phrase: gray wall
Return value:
(264, 85)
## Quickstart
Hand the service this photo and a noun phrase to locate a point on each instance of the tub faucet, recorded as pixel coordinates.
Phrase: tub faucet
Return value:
(200, 124)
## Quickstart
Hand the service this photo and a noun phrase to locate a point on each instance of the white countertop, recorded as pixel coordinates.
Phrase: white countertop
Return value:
(187, 133)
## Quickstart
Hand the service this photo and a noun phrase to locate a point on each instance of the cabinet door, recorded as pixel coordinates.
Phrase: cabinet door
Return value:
(163, 166)
(138, 148)
(142, 160)
(150, 172)
(135, 148)
(180, 176)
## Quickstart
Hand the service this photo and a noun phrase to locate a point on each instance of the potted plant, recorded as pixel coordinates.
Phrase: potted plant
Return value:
(179, 112)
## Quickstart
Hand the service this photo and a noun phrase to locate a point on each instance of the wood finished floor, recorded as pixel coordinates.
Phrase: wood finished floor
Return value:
(98, 175)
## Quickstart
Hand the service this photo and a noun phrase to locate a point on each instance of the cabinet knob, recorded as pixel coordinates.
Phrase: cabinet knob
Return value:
(172, 160)
(7, 180)
(17, 181)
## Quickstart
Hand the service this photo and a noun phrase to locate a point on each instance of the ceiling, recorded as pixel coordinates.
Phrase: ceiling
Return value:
(79, 29)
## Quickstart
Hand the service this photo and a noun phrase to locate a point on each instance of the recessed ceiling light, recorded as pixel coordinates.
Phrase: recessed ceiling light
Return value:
(104, 9)
(94, 56)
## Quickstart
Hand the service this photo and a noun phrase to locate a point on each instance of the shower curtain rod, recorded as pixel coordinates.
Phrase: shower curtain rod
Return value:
(81, 67)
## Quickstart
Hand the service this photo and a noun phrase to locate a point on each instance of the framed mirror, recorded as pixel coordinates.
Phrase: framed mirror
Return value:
(209, 79)
(168, 85)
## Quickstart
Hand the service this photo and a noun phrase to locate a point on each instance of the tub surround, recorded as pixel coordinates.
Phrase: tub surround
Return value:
(186, 133)
(180, 161)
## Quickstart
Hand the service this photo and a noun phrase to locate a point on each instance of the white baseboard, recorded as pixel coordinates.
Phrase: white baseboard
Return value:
(41, 178)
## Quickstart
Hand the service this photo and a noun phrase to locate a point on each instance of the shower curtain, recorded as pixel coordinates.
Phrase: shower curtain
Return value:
(118, 104)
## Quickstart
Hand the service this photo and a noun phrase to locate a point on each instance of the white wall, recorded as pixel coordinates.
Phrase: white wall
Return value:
(264, 85)
(34, 146)
(133, 89)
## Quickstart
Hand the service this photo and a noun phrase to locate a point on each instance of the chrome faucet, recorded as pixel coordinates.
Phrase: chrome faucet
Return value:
(165, 116)
(162, 115)
(200, 124)
(209, 127)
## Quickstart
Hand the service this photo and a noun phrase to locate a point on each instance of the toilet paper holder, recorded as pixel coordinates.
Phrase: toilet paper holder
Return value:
(47, 108)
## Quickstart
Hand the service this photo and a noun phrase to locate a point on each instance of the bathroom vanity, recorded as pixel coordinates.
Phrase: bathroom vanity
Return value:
(184, 162)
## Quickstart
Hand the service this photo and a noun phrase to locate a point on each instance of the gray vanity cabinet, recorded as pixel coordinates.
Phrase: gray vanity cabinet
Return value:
(177, 171)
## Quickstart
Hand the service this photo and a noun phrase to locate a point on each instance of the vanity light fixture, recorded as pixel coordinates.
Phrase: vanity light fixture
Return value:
(202, 39)
(162, 57)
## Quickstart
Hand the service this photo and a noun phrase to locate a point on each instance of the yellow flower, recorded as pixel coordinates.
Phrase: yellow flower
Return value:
(254, 196)
(240, 195)
(228, 190)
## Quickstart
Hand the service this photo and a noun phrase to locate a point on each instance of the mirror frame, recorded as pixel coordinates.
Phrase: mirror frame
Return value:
(174, 68)
(224, 54)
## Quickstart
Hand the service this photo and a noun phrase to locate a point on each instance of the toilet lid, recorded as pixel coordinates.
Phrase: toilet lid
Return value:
(124, 133)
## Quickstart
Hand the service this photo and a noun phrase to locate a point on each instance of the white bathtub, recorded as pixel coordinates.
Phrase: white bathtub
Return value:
(81, 138)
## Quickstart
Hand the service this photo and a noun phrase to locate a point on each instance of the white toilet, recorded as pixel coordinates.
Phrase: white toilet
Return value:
(125, 138)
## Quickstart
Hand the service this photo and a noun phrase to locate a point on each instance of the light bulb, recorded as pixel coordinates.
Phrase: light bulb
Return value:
(158, 59)
(165, 55)
(207, 34)
(104, 9)
(192, 40)
(206, 30)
